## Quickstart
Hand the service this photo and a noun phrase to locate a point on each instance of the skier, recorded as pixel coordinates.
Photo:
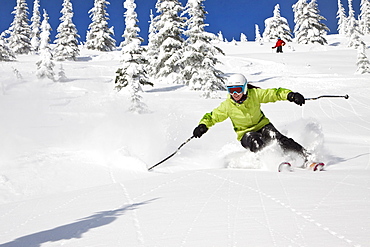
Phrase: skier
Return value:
(243, 107)
(279, 45)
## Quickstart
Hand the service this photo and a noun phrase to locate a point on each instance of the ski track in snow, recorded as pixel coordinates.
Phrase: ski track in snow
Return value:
(299, 234)
(196, 217)
(336, 109)
(265, 212)
(298, 239)
(33, 216)
(305, 216)
(232, 222)
(131, 201)
(309, 215)
(237, 207)
(136, 223)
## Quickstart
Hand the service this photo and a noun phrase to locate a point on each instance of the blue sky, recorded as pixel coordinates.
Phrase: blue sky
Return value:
(232, 17)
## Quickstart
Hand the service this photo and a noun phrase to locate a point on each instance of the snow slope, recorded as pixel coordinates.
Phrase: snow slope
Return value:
(73, 160)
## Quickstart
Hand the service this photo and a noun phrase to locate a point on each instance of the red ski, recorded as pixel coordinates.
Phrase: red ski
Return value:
(316, 166)
(287, 167)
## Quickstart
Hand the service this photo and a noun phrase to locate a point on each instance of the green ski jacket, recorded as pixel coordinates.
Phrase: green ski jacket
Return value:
(247, 116)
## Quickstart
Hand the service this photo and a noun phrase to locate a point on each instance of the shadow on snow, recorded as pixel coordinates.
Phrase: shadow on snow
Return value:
(73, 230)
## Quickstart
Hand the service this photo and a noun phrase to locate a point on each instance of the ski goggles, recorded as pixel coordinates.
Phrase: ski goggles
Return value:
(235, 89)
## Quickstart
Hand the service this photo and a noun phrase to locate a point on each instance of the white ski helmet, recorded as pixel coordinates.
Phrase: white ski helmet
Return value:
(237, 80)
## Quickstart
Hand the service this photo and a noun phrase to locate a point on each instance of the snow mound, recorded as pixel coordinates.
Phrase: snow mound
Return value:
(122, 159)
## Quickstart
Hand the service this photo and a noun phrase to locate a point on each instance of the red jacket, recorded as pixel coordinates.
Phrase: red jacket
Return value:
(280, 42)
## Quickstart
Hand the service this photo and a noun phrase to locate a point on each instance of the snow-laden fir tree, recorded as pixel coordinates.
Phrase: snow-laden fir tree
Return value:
(6, 54)
(276, 27)
(258, 38)
(168, 41)
(151, 50)
(62, 75)
(132, 74)
(99, 36)
(20, 32)
(308, 28)
(243, 38)
(355, 39)
(67, 38)
(364, 17)
(45, 65)
(342, 18)
(351, 20)
(299, 10)
(200, 55)
(363, 64)
(35, 25)
(353, 29)
(131, 32)
(220, 36)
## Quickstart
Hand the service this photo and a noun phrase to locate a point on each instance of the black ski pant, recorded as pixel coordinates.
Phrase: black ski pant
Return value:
(255, 141)
(279, 49)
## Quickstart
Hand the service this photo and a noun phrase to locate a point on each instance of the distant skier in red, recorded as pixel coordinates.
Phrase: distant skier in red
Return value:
(279, 45)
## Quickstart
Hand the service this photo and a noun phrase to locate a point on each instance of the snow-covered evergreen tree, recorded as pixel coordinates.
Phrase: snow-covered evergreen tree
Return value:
(276, 27)
(35, 25)
(6, 54)
(45, 65)
(98, 36)
(132, 30)
(353, 29)
(66, 39)
(132, 74)
(342, 18)
(243, 38)
(199, 59)
(151, 50)
(309, 28)
(363, 64)
(152, 29)
(61, 74)
(355, 39)
(352, 23)
(220, 36)
(299, 10)
(20, 32)
(168, 40)
(258, 38)
(364, 17)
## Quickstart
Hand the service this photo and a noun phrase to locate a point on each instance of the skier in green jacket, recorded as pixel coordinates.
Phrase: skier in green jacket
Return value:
(243, 107)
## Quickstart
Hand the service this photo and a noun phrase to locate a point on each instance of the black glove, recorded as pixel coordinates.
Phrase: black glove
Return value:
(200, 130)
(296, 98)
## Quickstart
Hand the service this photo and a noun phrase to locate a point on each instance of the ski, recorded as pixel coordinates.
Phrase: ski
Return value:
(314, 166)
(285, 167)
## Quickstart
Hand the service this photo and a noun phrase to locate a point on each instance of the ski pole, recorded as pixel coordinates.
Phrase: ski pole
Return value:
(171, 154)
(329, 96)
